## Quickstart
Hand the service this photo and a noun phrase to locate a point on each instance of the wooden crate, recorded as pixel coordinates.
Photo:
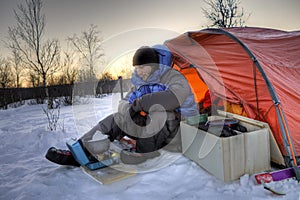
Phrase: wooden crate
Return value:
(231, 157)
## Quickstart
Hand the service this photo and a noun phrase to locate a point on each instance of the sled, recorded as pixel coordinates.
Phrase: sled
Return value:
(104, 168)
(107, 175)
(277, 175)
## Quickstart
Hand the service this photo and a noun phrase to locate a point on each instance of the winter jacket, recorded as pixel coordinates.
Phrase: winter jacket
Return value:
(174, 93)
(162, 121)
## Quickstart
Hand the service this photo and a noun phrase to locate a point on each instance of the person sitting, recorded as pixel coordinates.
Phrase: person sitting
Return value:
(150, 113)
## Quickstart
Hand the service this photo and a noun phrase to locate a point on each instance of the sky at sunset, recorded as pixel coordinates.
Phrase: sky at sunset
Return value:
(128, 24)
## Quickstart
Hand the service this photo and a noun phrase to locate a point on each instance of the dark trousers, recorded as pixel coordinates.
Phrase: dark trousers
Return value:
(168, 137)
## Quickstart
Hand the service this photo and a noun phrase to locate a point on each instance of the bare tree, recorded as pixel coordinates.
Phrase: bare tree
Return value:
(69, 68)
(17, 66)
(34, 79)
(225, 13)
(6, 74)
(68, 73)
(39, 55)
(83, 75)
(89, 47)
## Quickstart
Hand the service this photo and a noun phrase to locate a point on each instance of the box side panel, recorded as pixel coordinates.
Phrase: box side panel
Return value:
(210, 156)
(233, 157)
(203, 148)
(188, 134)
(257, 149)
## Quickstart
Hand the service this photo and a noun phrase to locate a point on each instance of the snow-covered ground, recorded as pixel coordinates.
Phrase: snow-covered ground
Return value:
(26, 174)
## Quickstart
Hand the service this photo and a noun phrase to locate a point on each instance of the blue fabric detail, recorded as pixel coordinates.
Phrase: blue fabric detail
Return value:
(146, 89)
(164, 54)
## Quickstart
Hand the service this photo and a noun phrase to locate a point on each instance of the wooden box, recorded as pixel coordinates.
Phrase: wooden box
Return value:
(229, 158)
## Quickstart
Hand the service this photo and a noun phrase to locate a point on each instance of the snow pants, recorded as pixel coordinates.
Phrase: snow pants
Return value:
(168, 136)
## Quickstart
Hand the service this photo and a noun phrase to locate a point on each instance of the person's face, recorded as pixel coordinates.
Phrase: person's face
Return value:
(143, 71)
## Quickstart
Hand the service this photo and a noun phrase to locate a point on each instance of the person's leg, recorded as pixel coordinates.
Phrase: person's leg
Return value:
(164, 136)
(89, 135)
(106, 126)
(173, 141)
(154, 143)
(146, 148)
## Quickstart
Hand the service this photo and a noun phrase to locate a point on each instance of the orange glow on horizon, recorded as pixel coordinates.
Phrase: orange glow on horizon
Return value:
(121, 66)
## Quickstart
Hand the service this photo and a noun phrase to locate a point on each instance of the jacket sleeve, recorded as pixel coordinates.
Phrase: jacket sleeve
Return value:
(124, 105)
(166, 99)
(179, 86)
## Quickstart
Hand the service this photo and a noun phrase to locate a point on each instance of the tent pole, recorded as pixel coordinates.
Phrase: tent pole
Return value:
(289, 147)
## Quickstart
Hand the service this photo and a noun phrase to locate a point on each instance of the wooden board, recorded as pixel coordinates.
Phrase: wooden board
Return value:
(275, 152)
(107, 175)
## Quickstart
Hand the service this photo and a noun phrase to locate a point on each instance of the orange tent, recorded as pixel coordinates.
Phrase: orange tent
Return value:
(255, 68)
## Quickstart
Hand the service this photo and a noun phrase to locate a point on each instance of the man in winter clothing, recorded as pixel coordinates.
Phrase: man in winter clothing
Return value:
(150, 113)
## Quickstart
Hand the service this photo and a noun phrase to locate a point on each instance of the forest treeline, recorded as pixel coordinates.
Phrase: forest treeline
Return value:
(67, 92)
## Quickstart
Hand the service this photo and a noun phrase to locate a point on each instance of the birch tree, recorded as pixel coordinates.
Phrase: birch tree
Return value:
(88, 45)
(27, 38)
(17, 67)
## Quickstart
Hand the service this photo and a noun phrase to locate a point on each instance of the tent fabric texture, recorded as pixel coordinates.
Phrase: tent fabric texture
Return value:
(255, 69)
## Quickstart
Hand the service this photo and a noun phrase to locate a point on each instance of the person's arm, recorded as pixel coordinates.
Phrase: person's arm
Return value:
(178, 91)
(124, 105)
(164, 98)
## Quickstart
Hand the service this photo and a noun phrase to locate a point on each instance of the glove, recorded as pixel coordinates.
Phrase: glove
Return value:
(136, 105)
(132, 112)
(137, 117)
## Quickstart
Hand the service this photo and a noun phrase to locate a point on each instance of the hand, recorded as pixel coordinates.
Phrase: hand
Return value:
(137, 117)
(132, 112)
(136, 105)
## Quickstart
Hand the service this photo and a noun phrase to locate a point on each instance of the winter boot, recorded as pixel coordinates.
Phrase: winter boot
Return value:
(61, 157)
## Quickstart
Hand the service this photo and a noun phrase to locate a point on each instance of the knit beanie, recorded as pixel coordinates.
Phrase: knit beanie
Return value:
(145, 55)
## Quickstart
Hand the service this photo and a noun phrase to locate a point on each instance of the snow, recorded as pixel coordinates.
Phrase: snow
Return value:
(26, 174)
